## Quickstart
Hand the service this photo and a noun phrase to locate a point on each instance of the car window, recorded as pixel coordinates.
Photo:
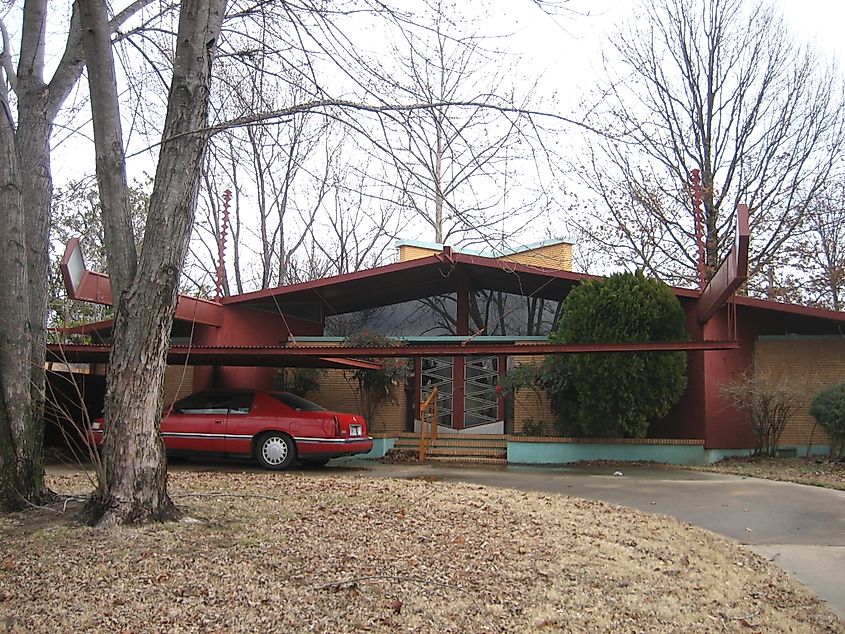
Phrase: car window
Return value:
(204, 403)
(240, 403)
(297, 402)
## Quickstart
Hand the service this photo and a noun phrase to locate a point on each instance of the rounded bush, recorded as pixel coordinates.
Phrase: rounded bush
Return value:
(618, 393)
(828, 408)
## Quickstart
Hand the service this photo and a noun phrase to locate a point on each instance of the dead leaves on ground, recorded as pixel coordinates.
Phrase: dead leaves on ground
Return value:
(308, 553)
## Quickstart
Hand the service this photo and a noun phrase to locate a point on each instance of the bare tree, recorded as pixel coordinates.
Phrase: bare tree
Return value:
(27, 185)
(280, 176)
(451, 166)
(145, 290)
(717, 86)
(818, 253)
(76, 213)
(770, 400)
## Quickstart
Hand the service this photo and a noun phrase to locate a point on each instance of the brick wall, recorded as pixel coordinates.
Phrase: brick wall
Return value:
(531, 406)
(814, 363)
(336, 393)
(178, 382)
(410, 252)
(554, 256)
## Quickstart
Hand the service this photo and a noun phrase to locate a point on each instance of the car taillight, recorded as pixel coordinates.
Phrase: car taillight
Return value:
(336, 427)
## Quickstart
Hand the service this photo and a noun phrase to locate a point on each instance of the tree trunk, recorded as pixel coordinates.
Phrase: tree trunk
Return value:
(119, 236)
(136, 471)
(33, 147)
(27, 189)
(21, 462)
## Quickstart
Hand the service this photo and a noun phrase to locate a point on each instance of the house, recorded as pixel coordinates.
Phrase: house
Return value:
(465, 317)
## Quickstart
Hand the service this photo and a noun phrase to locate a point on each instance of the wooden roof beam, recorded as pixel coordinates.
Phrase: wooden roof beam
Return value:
(731, 274)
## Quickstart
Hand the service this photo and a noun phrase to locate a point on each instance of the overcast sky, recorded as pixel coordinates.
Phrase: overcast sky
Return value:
(570, 46)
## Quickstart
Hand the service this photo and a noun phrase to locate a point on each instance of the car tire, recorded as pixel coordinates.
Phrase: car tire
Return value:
(275, 450)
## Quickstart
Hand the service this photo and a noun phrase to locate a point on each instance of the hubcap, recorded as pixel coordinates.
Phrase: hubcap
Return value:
(274, 450)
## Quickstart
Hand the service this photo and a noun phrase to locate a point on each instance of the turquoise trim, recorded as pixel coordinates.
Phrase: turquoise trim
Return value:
(801, 451)
(563, 453)
(380, 447)
(553, 453)
(715, 455)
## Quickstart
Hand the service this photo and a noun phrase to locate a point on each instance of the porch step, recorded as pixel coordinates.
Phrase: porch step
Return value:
(458, 448)
(452, 441)
(467, 460)
(453, 436)
(469, 452)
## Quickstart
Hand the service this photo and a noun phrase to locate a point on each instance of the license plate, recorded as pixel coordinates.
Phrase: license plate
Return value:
(354, 430)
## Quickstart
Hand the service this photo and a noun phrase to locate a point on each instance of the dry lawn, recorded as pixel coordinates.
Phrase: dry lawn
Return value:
(813, 471)
(320, 553)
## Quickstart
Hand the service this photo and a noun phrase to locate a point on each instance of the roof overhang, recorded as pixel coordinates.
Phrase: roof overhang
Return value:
(216, 355)
(354, 357)
(89, 286)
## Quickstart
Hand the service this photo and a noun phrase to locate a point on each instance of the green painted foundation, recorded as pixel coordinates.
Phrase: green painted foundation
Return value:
(553, 453)
(802, 451)
(690, 455)
(380, 447)
(563, 453)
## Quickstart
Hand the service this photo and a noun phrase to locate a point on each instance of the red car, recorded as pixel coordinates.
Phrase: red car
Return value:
(273, 427)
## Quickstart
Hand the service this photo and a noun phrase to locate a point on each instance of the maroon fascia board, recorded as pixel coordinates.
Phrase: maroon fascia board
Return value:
(96, 288)
(333, 356)
(311, 291)
(218, 355)
(381, 276)
(730, 275)
(792, 309)
(316, 285)
(94, 327)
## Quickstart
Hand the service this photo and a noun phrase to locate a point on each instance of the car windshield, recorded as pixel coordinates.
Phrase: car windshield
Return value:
(297, 402)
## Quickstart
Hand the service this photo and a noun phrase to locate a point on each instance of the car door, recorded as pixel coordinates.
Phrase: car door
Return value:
(241, 424)
(197, 423)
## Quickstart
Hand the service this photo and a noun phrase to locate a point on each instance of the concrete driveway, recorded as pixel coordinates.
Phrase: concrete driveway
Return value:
(799, 528)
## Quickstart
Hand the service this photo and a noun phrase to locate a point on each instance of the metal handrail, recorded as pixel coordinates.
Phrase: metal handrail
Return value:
(429, 404)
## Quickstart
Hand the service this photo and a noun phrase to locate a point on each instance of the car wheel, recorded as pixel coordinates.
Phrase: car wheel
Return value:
(274, 450)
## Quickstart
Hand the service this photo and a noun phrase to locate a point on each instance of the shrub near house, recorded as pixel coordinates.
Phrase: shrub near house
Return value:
(617, 394)
(828, 408)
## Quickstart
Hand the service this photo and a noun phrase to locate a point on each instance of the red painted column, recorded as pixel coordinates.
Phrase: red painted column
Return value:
(458, 363)
(503, 366)
(417, 386)
(458, 392)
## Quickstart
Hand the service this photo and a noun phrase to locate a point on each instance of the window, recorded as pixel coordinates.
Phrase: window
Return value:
(240, 403)
(296, 402)
(220, 403)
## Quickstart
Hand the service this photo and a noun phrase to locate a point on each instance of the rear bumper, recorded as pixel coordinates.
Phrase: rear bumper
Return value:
(332, 447)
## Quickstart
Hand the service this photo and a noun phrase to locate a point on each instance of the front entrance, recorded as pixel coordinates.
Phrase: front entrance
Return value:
(466, 392)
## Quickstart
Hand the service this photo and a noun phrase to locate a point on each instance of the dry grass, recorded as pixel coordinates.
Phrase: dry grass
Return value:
(317, 553)
(813, 471)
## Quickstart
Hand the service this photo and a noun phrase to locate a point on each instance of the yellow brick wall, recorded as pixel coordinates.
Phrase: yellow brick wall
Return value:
(336, 393)
(814, 363)
(409, 252)
(178, 382)
(531, 405)
(554, 256)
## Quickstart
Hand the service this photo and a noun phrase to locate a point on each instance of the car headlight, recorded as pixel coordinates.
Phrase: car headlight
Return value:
(96, 426)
